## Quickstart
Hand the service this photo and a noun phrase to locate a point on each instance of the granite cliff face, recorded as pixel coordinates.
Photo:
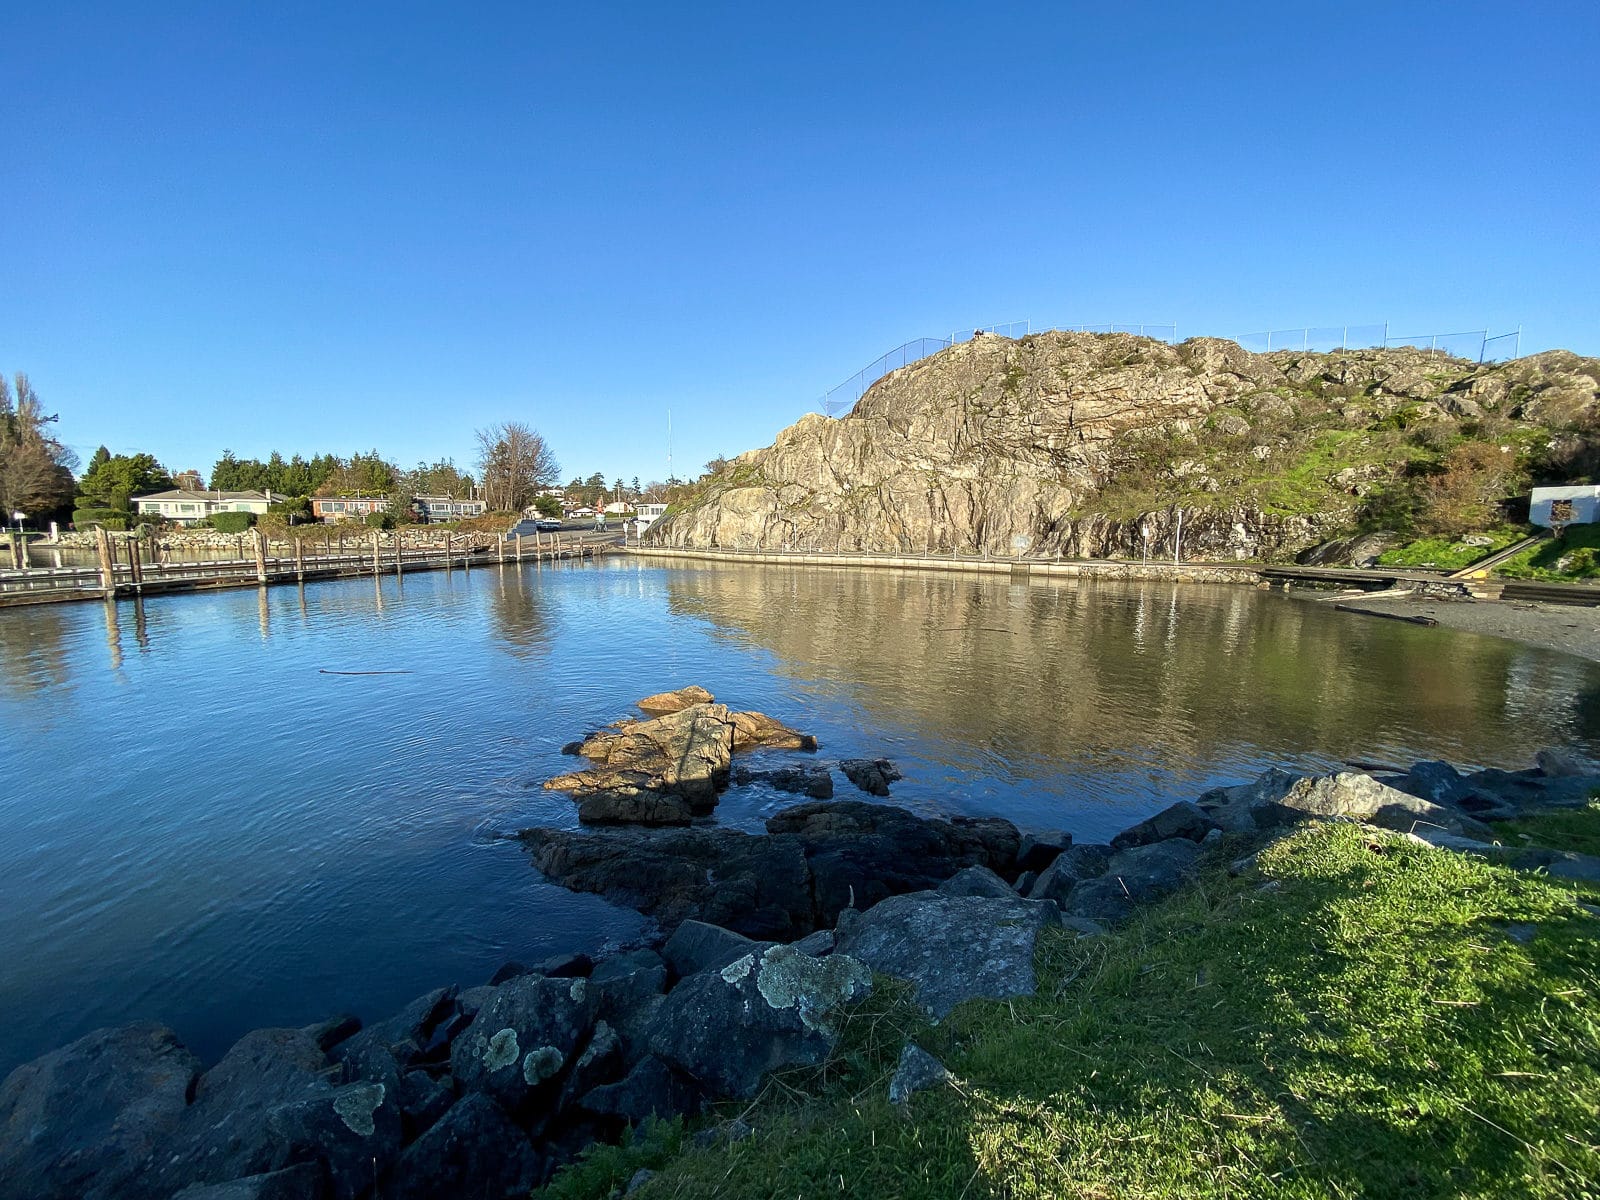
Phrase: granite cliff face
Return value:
(1092, 444)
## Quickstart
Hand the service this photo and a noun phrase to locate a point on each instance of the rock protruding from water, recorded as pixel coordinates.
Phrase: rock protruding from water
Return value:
(671, 768)
(871, 775)
(663, 703)
(661, 772)
(817, 860)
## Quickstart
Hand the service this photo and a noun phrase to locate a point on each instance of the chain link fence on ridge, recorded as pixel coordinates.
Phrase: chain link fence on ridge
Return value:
(1476, 344)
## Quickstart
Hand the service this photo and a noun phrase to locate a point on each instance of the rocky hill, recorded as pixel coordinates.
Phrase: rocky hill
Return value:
(1091, 444)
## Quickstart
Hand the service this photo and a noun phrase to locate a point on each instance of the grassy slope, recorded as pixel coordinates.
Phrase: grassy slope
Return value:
(1580, 544)
(1353, 1020)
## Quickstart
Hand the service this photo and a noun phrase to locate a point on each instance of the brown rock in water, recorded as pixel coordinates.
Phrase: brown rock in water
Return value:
(663, 703)
(751, 729)
(657, 772)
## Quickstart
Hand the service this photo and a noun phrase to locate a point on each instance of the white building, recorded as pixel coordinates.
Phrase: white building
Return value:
(1575, 505)
(648, 515)
(186, 507)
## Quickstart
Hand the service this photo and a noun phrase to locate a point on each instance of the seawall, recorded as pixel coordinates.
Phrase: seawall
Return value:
(1058, 568)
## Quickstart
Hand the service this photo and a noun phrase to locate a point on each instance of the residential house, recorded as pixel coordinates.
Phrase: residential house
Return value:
(347, 508)
(448, 508)
(185, 507)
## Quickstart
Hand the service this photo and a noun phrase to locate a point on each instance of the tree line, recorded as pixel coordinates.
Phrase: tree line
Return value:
(515, 466)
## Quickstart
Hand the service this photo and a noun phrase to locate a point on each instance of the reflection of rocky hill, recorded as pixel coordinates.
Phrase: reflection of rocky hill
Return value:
(1079, 443)
(1081, 673)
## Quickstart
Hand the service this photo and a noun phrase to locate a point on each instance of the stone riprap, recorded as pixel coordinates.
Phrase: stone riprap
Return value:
(484, 1091)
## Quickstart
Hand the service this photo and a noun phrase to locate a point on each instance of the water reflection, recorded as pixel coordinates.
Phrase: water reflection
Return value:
(1086, 673)
(517, 606)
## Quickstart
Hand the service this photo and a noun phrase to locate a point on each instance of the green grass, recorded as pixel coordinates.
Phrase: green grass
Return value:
(1447, 553)
(1562, 828)
(1351, 1019)
(1579, 545)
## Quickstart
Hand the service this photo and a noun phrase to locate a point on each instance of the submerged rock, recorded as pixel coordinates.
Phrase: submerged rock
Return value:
(816, 782)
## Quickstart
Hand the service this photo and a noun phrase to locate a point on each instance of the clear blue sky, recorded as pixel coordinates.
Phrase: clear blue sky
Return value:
(332, 227)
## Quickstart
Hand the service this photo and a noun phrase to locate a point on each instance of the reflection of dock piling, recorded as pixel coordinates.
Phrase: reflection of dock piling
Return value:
(139, 571)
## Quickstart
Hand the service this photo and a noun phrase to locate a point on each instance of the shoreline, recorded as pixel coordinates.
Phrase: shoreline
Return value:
(1564, 628)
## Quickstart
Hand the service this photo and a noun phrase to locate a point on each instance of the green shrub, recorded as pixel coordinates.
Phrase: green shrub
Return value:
(232, 522)
(85, 518)
(379, 520)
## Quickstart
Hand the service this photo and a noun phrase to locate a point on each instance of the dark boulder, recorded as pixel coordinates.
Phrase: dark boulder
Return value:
(1180, 820)
(696, 946)
(755, 885)
(522, 1040)
(859, 853)
(1436, 781)
(728, 1028)
(627, 988)
(353, 1132)
(1070, 868)
(871, 775)
(818, 859)
(975, 881)
(80, 1122)
(1134, 876)
(816, 782)
(650, 1089)
(1040, 848)
(474, 1150)
(407, 1036)
(301, 1182)
(953, 948)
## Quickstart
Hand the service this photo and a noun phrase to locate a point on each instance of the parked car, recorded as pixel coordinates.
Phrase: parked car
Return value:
(548, 524)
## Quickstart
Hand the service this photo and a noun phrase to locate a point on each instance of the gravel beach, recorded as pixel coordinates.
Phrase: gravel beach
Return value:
(1568, 628)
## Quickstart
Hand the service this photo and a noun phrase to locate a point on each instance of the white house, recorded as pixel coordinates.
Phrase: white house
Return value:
(186, 507)
(1575, 505)
(649, 514)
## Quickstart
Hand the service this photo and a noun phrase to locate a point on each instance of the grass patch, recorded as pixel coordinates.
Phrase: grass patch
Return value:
(1574, 555)
(1350, 1021)
(1447, 553)
(1560, 828)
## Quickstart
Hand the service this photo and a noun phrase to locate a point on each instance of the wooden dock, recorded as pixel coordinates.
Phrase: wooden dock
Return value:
(129, 567)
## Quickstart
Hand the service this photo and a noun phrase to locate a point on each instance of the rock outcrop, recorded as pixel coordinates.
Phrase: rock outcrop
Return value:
(1088, 444)
(671, 768)
(817, 860)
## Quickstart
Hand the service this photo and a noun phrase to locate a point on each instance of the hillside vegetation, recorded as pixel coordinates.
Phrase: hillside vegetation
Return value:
(1090, 444)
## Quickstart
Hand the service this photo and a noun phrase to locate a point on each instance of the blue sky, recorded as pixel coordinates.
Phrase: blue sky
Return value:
(313, 227)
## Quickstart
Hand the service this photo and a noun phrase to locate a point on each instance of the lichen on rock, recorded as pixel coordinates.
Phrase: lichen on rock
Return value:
(355, 1106)
(502, 1050)
(540, 1064)
(813, 987)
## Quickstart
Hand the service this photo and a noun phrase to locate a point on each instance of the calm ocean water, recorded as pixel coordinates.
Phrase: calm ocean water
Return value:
(200, 824)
